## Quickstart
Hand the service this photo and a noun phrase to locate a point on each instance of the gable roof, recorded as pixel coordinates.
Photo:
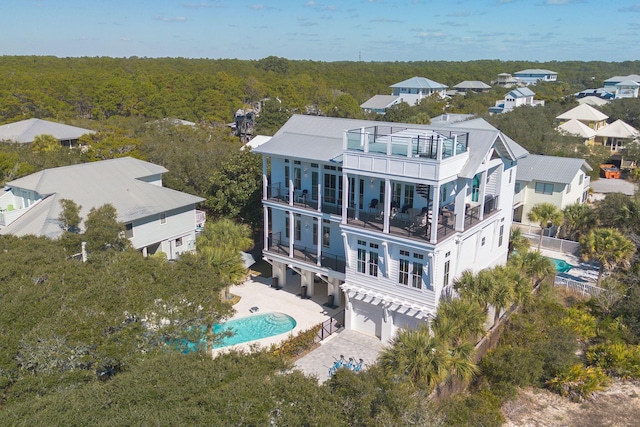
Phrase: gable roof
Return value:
(577, 128)
(472, 84)
(534, 71)
(120, 182)
(419, 83)
(615, 79)
(26, 130)
(593, 100)
(618, 129)
(522, 92)
(555, 169)
(379, 102)
(583, 112)
(321, 138)
(628, 83)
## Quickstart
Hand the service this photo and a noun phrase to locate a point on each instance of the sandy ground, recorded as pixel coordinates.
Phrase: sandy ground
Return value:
(618, 405)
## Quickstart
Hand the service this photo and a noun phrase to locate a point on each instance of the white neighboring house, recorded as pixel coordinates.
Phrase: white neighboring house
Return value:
(382, 217)
(25, 131)
(515, 98)
(157, 219)
(561, 181)
(624, 86)
(411, 91)
(534, 75)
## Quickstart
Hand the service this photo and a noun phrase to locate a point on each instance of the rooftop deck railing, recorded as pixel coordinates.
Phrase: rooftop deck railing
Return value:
(406, 142)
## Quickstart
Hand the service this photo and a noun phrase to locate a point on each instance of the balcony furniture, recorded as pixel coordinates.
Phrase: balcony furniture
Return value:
(302, 196)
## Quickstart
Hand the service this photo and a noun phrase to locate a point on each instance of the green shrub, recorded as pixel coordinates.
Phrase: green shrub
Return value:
(579, 382)
(295, 346)
(581, 322)
(617, 360)
(513, 365)
(477, 409)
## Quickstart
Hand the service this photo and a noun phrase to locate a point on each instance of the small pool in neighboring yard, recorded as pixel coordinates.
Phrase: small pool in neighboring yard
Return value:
(562, 266)
(254, 327)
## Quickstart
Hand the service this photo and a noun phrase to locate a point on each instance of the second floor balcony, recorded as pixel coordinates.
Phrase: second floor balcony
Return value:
(277, 245)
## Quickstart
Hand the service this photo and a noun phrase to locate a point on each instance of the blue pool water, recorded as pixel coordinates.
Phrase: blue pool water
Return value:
(245, 329)
(255, 327)
(562, 266)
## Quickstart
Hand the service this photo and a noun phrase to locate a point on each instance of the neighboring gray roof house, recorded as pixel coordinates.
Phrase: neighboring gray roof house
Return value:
(25, 131)
(556, 169)
(507, 80)
(410, 91)
(380, 103)
(472, 86)
(156, 215)
(624, 86)
(533, 75)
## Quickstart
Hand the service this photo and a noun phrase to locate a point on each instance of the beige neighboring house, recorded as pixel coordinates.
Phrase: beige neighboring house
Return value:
(25, 131)
(561, 181)
(585, 114)
(472, 86)
(617, 136)
(577, 128)
(590, 124)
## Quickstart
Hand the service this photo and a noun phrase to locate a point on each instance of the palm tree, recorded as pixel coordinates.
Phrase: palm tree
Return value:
(578, 220)
(426, 360)
(517, 242)
(458, 321)
(545, 214)
(502, 294)
(533, 265)
(607, 246)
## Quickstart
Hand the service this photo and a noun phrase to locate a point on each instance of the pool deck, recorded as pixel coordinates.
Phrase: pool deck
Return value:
(257, 292)
(580, 272)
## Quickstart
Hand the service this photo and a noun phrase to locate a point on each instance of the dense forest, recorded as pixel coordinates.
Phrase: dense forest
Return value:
(76, 343)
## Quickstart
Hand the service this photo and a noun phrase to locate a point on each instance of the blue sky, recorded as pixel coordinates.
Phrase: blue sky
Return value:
(336, 30)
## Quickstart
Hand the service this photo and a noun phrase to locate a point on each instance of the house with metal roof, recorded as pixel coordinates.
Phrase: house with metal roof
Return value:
(25, 131)
(379, 103)
(380, 218)
(561, 181)
(519, 97)
(472, 86)
(623, 86)
(534, 75)
(585, 114)
(157, 219)
(617, 136)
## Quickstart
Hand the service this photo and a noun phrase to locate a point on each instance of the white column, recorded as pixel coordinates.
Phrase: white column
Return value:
(292, 234)
(435, 207)
(483, 188)
(265, 179)
(387, 205)
(345, 197)
(460, 207)
(265, 232)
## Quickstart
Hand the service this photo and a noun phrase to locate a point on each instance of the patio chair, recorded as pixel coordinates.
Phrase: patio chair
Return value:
(336, 365)
(373, 206)
(358, 367)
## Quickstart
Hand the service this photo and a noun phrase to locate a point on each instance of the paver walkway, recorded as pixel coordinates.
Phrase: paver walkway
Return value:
(347, 343)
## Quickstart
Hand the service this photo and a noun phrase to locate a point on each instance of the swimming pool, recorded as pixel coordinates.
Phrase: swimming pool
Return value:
(562, 266)
(254, 327)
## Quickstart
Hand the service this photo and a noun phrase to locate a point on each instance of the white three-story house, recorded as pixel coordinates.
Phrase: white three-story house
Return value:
(386, 214)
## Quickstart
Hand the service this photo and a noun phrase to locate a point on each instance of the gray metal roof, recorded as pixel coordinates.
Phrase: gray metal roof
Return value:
(26, 130)
(419, 83)
(472, 84)
(614, 79)
(120, 182)
(379, 102)
(314, 138)
(522, 92)
(560, 170)
(534, 71)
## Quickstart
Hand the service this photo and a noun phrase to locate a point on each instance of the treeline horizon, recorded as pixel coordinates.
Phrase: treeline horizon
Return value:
(211, 90)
